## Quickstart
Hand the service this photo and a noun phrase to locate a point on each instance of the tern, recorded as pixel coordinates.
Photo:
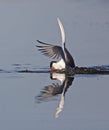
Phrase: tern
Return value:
(65, 60)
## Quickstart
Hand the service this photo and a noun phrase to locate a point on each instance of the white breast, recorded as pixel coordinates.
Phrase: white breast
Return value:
(59, 65)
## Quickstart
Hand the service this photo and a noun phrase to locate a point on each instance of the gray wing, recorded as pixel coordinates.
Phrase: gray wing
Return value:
(50, 50)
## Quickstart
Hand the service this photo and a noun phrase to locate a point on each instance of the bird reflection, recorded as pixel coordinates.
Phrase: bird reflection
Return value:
(51, 91)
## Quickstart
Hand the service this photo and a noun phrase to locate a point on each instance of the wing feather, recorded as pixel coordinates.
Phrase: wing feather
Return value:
(50, 50)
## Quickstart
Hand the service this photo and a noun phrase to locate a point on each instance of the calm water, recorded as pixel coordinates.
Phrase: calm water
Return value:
(35, 100)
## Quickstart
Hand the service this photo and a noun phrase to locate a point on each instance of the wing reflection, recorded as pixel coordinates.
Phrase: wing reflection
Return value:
(49, 92)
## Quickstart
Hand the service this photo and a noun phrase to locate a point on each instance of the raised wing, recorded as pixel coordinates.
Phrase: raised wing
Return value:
(50, 50)
(62, 31)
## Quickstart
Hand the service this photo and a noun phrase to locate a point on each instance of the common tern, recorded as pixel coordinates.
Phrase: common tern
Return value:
(65, 61)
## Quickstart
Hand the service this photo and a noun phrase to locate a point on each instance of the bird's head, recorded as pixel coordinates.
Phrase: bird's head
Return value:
(52, 66)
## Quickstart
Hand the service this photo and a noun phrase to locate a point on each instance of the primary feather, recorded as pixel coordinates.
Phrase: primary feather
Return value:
(50, 50)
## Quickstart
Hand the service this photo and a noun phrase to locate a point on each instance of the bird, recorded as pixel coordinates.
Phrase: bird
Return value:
(65, 59)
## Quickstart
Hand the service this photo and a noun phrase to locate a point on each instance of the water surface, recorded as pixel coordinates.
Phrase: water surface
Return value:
(26, 101)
